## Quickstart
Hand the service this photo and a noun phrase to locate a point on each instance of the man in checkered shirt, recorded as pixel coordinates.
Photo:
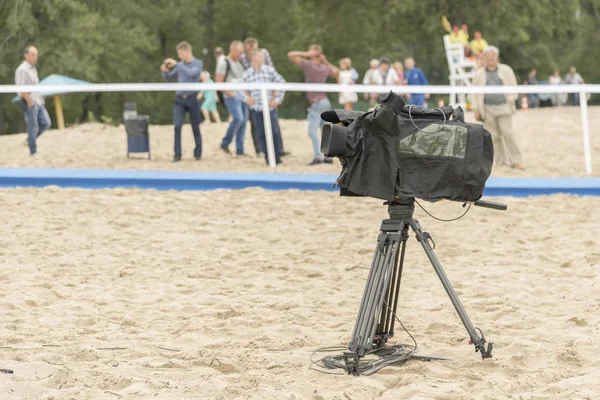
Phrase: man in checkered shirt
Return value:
(252, 44)
(36, 114)
(249, 45)
(261, 73)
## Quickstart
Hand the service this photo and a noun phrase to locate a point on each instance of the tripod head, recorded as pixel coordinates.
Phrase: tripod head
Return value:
(401, 208)
(404, 207)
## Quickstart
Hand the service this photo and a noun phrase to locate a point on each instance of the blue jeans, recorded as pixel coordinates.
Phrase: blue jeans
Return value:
(575, 99)
(533, 99)
(38, 121)
(237, 128)
(192, 106)
(259, 124)
(315, 123)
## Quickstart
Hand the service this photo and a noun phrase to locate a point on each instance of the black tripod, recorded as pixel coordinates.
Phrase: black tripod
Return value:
(377, 313)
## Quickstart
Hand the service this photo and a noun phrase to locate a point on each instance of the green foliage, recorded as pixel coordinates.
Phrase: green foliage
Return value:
(125, 41)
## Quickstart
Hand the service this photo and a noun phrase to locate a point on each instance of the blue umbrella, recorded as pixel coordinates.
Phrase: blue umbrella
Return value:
(57, 80)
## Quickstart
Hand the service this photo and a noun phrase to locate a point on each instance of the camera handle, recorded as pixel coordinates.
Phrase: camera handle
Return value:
(419, 129)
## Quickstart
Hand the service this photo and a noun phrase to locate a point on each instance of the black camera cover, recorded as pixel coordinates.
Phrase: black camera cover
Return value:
(400, 151)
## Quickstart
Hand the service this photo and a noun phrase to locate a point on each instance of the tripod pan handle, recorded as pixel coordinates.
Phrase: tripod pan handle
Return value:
(491, 204)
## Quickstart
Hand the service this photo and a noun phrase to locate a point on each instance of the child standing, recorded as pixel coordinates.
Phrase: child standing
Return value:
(209, 105)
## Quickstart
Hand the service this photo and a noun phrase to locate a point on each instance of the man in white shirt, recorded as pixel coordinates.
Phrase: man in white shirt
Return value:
(36, 114)
(229, 69)
(384, 75)
(573, 78)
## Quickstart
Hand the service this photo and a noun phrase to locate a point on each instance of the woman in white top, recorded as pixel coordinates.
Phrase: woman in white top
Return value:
(558, 99)
(345, 78)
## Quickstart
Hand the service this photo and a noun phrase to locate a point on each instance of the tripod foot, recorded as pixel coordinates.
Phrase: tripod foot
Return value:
(488, 352)
(480, 346)
(352, 363)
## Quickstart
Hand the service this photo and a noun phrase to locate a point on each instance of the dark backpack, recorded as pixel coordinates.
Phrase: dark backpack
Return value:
(220, 93)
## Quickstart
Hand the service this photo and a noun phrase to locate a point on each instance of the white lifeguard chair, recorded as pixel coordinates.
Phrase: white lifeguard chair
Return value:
(461, 69)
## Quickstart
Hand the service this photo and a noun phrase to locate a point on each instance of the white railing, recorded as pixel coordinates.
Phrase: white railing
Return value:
(583, 90)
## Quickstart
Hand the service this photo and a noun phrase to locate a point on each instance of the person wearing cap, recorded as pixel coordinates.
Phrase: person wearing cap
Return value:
(384, 75)
(478, 44)
(496, 109)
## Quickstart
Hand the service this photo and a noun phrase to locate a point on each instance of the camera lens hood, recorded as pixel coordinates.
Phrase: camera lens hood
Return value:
(333, 141)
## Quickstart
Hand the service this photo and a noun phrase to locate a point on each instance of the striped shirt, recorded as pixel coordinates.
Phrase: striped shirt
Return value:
(27, 74)
(265, 74)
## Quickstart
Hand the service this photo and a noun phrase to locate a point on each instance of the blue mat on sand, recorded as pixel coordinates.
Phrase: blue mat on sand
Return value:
(164, 180)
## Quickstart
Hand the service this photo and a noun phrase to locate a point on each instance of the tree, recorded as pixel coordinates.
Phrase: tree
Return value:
(126, 41)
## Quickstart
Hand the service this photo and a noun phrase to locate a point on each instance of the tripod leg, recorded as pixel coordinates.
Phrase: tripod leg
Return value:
(376, 290)
(380, 307)
(375, 300)
(394, 302)
(385, 330)
(479, 342)
(374, 274)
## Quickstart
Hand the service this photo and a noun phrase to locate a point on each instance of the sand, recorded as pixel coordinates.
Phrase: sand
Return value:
(121, 293)
(550, 139)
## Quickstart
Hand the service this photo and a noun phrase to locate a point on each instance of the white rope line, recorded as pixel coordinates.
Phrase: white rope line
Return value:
(296, 87)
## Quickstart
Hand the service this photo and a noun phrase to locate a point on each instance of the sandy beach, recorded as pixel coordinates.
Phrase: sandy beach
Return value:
(550, 140)
(119, 293)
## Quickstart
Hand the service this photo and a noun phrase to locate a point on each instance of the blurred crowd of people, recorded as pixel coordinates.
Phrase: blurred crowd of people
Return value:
(246, 62)
(496, 110)
(475, 49)
(551, 99)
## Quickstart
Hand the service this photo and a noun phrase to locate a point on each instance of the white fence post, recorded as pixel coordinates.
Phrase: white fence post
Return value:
(268, 128)
(452, 98)
(586, 132)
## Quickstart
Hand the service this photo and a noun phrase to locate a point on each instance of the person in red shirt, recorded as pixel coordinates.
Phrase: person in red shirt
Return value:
(316, 70)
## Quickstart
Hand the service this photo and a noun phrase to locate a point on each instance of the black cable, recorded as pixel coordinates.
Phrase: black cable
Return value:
(394, 354)
(315, 363)
(444, 220)
(403, 327)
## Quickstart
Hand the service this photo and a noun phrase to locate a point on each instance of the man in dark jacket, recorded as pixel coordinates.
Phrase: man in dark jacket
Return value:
(187, 71)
